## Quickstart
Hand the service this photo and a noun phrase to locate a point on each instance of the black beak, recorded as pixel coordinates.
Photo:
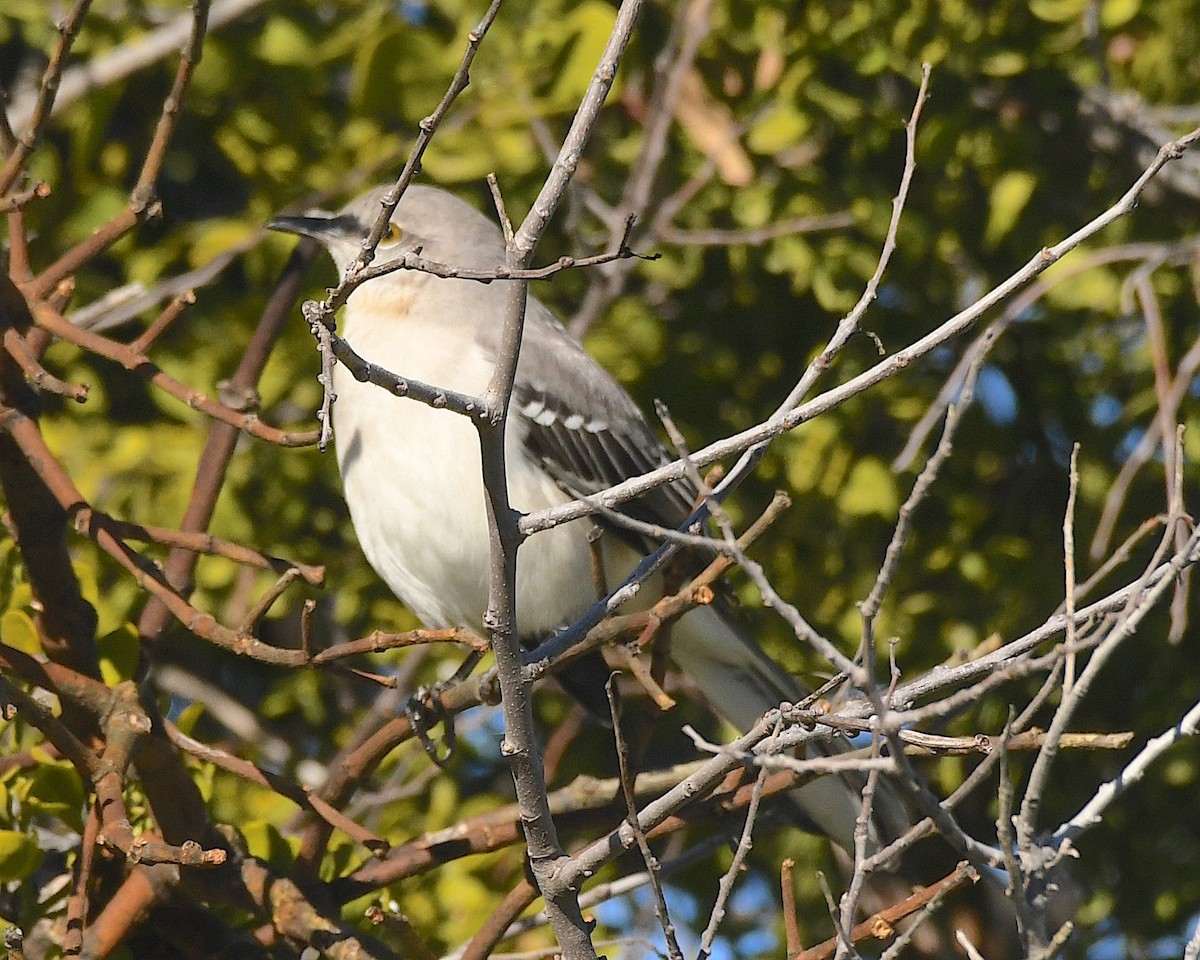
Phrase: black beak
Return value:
(325, 227)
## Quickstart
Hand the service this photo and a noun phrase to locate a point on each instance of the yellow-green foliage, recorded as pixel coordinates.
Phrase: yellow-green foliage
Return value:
(300, 100)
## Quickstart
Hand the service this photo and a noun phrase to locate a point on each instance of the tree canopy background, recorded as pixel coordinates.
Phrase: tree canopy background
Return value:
(766, 195)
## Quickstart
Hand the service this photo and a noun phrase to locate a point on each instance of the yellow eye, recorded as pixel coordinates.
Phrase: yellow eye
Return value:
(393, 234)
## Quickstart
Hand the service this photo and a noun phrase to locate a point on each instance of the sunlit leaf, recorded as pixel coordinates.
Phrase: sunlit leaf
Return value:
(869, 490)
(18, 630)
(19, 855)
(1009, 196)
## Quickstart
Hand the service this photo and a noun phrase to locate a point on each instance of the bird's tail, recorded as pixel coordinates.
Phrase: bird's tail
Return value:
(742, 683)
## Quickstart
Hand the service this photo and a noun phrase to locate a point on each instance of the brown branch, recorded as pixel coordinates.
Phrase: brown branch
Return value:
(67, 622)
(791, 923)
(27, 436)
(35, 374)
(143, 192)
(124, 725)
(294, 915)
(222, 437)
(882, 925)
(87, 250)
(68, 30)
(77, 903)
(46, 723)
(412, 946)
(54, 322)
(144, 888)
(298, 794)
(378, 641)
(8, 139)
(15, 201)
(19, 268)
(143, 848)
(142, 204)
(355, 765)
(160, 324)
(88, 520)
(515, 902)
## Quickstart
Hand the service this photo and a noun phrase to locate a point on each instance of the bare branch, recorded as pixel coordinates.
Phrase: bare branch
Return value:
(627, 777)
(788, 419)
(68, 30)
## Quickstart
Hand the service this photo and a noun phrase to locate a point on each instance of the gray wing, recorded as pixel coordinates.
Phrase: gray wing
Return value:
(589, 434)
(583, 427)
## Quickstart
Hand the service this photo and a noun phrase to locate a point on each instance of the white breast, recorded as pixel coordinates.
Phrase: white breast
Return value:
(414, 488)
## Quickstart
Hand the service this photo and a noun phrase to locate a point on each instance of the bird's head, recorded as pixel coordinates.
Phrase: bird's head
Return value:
(437, 224)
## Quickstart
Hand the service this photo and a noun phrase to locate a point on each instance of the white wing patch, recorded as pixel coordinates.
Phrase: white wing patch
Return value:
(539, 413)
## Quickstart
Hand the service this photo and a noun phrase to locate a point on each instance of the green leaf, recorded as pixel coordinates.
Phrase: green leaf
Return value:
(1010, 194)
(56, 791)
(1114, 14)
(1006, 63)
(264, 841)
(373, 73)
(843, 108)
(17, 629)
(19, 856)
(283, 43)
(1098, 289)
(216, 237)
(588, 26)
(120, 651)
(188, 717)
(870, 489)
(782, 127)
(1057, 11)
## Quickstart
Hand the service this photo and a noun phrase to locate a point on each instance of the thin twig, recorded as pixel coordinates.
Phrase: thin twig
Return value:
(627, 777)
(1091, 812)
(788, 419)
(729, 877)
(37, 375)
(882, 925)
(142, 204)
(68, 30)
(791, 923)
(319, 315)
(134, 361)
(88, 520)
(1068, 529)
(1139, 604)
(278, 784)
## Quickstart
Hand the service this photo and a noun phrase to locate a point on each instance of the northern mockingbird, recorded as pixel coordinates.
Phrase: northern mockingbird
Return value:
(412, 473)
